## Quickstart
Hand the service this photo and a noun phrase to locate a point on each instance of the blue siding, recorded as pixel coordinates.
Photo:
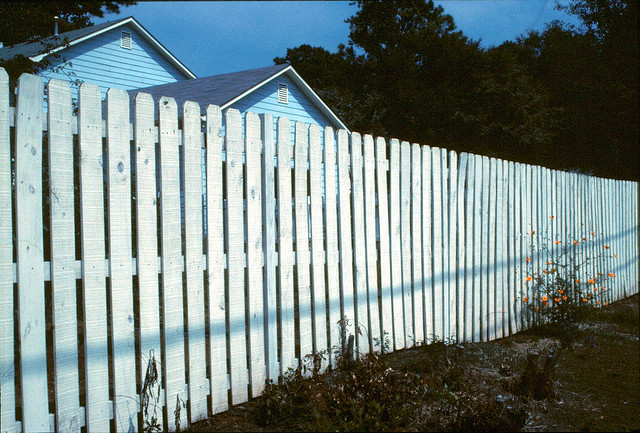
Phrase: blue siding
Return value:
(102, 61)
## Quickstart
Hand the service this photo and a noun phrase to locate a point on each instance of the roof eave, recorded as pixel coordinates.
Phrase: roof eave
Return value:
(148, 36)
(306, 89)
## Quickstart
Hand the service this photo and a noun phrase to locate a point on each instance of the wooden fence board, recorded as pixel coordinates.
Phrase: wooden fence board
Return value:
(512, 297)
(427, 245)
(363, 336)
(461, 262)
(96, 367)
(416, 243)
(386, 299)
(235, 229)
(8, 392)
(370, 240)
(146, 219)
(396, 254)
(253, 194)
(285, 246)
(500, 249)
(63, 257)
(344, 227)
(216, 262)
(317, 244)
(194, 265)
(470, 256)
(332, 251)
(446, 270)
(491, 269)
(478, 285)
(172, 263)
(120, 271)
(303, 257)
(452, 245)
(269, 245)
(29, 253)
(405, 236)
(438, 272)
(484, 303)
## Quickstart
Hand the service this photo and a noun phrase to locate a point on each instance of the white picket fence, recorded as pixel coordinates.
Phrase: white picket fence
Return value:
(102, 272)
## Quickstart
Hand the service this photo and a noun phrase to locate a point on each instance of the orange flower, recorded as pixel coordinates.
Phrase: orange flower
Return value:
(564, 297)
(597, 302)
(548, 263)
(546, 304)
(606, 247)
(556, 299)
(584, 299)
(545, 272)
(584, 239)
(557, 242)
(525, 299)
(595, 289)
(553, 270)
(577, 281)
(605, 303)
(529, 278)
(533, 232)
(552, 217)
(615, 255)
(612, 275)
(593, 233)
(560, 291)
(601, 274)
(528, 259)
(576, 242)
(544, 298)
(591, 281)
(537, 308)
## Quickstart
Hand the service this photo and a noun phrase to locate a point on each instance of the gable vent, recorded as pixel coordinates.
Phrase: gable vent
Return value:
(283, 94)
(125, 40)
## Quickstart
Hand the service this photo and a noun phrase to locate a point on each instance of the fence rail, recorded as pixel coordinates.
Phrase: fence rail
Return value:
(158, 273)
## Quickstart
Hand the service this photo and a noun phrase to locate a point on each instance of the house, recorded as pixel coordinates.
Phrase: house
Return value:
(278, 90)
(119, 53)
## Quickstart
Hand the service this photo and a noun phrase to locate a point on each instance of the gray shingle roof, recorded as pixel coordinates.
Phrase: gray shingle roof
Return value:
(216, 89)
(33, 48)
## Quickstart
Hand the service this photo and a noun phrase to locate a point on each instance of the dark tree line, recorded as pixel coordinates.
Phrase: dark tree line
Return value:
(565, 98)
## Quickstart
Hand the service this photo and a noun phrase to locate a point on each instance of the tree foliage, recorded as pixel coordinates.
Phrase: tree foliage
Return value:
(554, 98)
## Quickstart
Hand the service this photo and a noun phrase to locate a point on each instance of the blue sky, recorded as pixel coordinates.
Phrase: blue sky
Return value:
(225, 36)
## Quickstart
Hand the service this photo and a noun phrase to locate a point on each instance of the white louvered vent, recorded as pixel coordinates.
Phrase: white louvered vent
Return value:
(283, 94)
(125, 40)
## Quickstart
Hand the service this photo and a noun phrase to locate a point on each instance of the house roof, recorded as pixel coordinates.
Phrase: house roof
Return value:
(38, 49)
(225, 89)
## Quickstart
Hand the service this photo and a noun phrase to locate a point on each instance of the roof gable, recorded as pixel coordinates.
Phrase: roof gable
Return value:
(35, 50)
(226, 89)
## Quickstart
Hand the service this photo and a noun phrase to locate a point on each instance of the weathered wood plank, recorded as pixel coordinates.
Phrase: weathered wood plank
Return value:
(452, 245)
(427, 246)
(477, 248)
(194, 266)
(363, 336)
(8, 392)
(216, 262)
(405, 241)
(344, 227)
(500, 249)
(285, 247)
(331, 229)
(29, 254)
(416, 243)
(120, 271)
(372, 250)
(462, 260)
(491, 268)
(235, 228)
(253, 193)
(513, 301)
(172, 263)
(317, 244)
(484, 273)
(396, 251)
(386, 299)
(446, 335)
(147, 243)
(438, 270)
(96, 367)
(63, 257)
(303, 256)
(467, 241)
(519, 304)
(269, 244)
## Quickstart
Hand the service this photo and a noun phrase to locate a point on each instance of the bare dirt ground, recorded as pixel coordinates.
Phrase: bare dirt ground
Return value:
(537, 380)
